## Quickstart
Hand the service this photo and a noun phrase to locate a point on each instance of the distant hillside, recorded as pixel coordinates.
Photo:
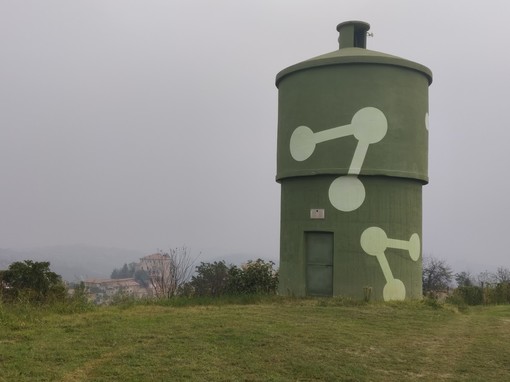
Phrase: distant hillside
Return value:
(79, 262)
(75, 262)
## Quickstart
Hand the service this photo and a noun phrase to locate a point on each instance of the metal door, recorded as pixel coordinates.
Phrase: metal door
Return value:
(319, 257)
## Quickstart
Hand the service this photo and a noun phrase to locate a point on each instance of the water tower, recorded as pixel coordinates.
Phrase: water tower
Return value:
(352, 159)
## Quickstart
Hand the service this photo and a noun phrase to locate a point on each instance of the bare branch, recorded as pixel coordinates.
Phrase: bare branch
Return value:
(168, 271)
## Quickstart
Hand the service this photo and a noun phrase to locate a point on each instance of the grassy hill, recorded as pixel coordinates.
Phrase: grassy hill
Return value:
(275, 339)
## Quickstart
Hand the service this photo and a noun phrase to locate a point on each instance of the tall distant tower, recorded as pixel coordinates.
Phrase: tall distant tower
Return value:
(352, 158)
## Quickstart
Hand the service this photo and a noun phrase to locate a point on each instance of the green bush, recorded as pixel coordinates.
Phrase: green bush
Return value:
(488, 294)
(471, 295)
(218, 279)
(457, 300)
(496, 293)
(211, 279)
(32, 282)
(255, 277)
(501, 293)
(432, 302)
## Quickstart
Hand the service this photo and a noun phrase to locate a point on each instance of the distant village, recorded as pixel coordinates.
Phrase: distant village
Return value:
(137, 280)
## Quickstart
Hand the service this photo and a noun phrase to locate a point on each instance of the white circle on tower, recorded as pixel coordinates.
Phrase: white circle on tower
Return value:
(414, 247)
(370, 125)
(394, 290)
(374, 241)
(302, 143)
(346, 193)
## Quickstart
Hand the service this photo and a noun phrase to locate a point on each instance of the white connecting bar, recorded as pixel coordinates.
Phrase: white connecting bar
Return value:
(340, 132)
(375, 242)
(368, 126)
(385, 266)
(358, 158)
(333, 133)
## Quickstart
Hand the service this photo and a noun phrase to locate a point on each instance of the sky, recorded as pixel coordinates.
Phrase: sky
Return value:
(152, 124)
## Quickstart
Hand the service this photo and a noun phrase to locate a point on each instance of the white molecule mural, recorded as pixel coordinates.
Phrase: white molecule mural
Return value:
(374, 242)
(368, 126)
(347, 192)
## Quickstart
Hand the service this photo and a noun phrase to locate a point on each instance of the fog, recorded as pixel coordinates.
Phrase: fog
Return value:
(152, 124)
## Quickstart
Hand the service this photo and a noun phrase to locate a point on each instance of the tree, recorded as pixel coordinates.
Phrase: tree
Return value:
(32, 280)
(464, 279)
(126, 272)
(486, 278)
(502, 275)
(253, 277)
(168, 271)
(496, 286)
(437, 275)
(142, 277)
(215, 279)
(211, 279)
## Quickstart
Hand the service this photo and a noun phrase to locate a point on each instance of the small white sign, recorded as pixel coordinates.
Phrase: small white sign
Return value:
(317, 213)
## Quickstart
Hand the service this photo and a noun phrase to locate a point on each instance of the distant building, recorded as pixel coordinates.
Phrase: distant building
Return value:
(103, 290)
(155, 264)
(160, 269)
(156, 279)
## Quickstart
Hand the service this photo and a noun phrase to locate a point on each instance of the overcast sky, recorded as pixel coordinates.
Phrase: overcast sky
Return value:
(152, 124)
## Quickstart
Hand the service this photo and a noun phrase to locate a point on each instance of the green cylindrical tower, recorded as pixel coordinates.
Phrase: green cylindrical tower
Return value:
(352, 159)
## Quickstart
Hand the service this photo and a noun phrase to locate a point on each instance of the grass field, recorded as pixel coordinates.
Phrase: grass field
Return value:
(274, 339)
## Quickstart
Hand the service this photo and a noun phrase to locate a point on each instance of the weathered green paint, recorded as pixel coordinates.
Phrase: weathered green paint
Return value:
(326, 97)
(353, 141)
(319, 263)
(393, 204)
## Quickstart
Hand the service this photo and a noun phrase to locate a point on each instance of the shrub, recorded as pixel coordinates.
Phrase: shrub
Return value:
(458, 301)
(255, 277)
(488, 294)
(211, 279)
(502, 293)
(32, 281)
(471, 295)
(432, 302)
(217, 279)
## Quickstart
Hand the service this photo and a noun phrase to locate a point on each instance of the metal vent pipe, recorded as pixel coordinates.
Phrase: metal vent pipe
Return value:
(353, 34)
